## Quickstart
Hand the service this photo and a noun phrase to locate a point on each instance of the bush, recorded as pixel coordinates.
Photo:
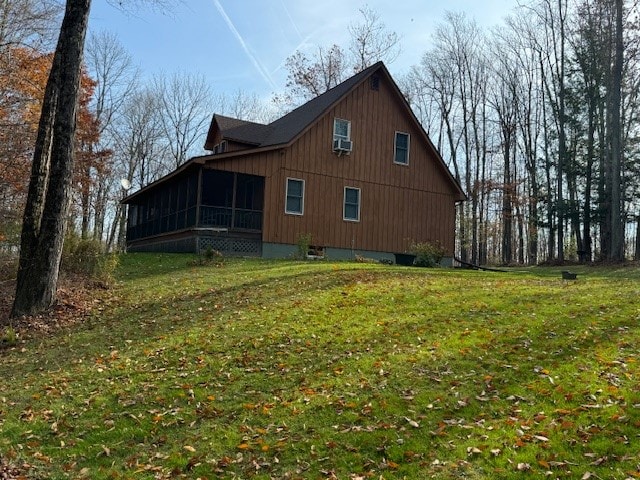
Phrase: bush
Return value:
(87, 257)
(208, 257)
(8, 338)
(80, 255)
(303, 243)
(427, 254)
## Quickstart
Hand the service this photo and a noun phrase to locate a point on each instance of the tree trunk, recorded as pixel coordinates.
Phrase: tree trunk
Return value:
(85, 201)
(636, 254)
(562, 139)
(617, 228)
(45, 213)
(507, 196)
(586, 232)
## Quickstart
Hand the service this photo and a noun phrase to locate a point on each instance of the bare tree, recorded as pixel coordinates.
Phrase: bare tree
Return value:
(312, 75)
(371, 41)
(28, 22)
(615, 132)
(186, 104)
(116, 76)
(244, 106)
(112, 67)
(140, 149)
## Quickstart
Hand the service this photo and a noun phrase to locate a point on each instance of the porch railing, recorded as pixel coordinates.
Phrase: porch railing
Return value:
(230, 218)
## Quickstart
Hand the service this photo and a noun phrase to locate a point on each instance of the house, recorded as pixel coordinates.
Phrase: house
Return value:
(352, 170)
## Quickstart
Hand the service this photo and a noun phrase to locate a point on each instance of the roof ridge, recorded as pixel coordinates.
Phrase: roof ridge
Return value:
(287, 127)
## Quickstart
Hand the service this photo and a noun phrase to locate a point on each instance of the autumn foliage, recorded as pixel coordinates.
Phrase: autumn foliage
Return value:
(23, 76)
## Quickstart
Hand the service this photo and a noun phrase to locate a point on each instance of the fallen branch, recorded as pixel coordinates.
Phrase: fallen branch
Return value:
(477, 267)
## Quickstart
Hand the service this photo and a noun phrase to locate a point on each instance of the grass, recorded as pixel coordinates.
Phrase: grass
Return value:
(279, 369)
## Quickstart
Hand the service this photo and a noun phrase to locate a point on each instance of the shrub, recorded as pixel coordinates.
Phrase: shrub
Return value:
(303, 242)
(87, 257)
(107, 265)
(80, 255)
(8, 338)
(209, 256)
(427, 254)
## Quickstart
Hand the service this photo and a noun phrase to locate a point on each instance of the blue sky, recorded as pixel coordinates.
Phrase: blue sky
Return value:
(242, 44)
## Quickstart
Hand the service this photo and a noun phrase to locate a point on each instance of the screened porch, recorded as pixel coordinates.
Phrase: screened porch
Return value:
(203, 200)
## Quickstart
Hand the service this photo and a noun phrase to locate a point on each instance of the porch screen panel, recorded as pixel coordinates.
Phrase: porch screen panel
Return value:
(249, 202)
(192, 200)
(181, 205)
(217, 199)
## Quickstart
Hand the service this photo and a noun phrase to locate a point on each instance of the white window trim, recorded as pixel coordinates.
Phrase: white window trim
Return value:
(344, 204)
(286, 195)
(395, 140)
(336, 136)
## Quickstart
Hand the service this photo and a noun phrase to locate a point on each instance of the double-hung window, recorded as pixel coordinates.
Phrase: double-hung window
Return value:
(342, 136)
(401, 148)
(294, 203)
(341, 129)
(351, 209)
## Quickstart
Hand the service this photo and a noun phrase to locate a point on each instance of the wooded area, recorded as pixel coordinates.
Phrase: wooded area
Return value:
(537, 117)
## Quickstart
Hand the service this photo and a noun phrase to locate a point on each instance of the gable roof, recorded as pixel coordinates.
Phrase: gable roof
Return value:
(250, 133)
(286, 128)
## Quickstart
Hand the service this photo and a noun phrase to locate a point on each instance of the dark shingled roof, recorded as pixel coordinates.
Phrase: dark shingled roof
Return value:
(240, 130)
(287, 128)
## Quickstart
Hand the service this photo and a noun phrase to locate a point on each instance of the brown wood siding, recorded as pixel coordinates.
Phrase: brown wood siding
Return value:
(399, 204)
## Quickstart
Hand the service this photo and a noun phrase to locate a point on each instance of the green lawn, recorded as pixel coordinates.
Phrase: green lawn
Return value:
(278, 369)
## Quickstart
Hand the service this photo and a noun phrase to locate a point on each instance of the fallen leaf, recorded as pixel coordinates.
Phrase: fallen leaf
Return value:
(413, 423)
(473, 451)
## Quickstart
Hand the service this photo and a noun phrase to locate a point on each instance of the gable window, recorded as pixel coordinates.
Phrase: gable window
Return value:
(294, 203)
(342, 136)
(220, 147)
(351, 210)
(401, 148)
(341, 129)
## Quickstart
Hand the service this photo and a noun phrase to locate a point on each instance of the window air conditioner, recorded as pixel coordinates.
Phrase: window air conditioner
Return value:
(342, 145)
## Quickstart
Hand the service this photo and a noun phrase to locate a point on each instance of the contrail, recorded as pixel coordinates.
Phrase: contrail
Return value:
(295, 27)
(256, 63)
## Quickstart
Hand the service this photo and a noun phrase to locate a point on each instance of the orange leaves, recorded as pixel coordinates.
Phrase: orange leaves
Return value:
(23, 77)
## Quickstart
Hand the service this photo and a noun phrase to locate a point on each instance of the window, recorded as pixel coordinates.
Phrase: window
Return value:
(351, 210)
(342, 143)
(295, 196)
(401, 148)
(220, 147)
(341, 129)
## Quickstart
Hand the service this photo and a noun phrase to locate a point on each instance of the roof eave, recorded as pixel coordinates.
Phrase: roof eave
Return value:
(162, 180)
